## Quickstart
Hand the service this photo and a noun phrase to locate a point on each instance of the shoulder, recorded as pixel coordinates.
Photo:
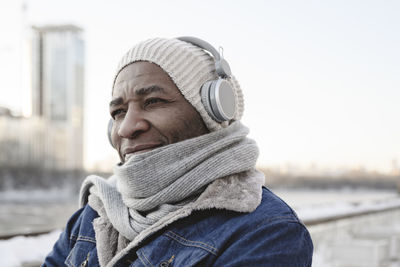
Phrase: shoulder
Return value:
(81, 221)
(79, 229)
(272, 235)
(273, 209)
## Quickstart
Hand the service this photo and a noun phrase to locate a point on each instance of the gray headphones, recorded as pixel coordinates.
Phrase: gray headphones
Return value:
(218, 96)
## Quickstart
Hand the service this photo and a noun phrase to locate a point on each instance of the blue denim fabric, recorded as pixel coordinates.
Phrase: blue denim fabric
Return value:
(272, 235)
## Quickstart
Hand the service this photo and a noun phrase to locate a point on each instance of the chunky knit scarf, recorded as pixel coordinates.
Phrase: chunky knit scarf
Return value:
(153, 184)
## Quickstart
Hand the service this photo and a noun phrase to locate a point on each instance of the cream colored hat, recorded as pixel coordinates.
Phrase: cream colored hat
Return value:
(188, 66)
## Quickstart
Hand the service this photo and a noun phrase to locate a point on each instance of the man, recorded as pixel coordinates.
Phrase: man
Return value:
(186, 192)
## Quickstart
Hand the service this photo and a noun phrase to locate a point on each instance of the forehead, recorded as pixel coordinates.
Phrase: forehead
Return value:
(142, 75)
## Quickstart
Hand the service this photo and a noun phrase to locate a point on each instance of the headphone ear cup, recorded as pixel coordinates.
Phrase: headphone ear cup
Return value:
(205, 98)
(222, 100)
(109, 129)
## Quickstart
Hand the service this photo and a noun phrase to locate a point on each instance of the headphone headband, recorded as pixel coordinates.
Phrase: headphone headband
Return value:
(221, 65)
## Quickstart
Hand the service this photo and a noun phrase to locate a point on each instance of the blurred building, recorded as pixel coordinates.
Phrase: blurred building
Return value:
(53, 136)
(22, 140)
(58, 91)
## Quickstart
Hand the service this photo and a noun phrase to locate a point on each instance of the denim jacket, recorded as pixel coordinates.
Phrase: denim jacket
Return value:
(272, 235)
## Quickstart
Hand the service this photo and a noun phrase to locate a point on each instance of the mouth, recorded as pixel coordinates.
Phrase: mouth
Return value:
(138, 149)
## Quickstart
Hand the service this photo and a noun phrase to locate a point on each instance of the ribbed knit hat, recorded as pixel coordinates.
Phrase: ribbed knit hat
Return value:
(189, 68)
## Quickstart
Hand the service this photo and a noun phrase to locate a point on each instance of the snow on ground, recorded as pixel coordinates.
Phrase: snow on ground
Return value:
(16, 251)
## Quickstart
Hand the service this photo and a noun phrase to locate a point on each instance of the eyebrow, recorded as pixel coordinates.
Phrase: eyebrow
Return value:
(149, 90)
(139, 92)
(116, 102)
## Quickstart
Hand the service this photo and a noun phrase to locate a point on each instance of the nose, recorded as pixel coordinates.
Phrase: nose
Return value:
(133, 125)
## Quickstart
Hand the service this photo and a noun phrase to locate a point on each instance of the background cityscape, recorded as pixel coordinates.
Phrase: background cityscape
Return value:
(321, 86)
(320, 97)
(52, 136)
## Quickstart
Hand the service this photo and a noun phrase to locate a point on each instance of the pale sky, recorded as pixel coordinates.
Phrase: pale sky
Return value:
(321, 79)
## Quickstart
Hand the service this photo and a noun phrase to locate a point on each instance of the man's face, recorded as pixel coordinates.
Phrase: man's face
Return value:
(149, 111)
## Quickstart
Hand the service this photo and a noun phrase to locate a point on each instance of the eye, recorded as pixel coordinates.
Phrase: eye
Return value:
(115, 114)
(152, 101)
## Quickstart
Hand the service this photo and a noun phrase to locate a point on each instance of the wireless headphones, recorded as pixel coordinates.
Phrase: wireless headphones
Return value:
(218, 96)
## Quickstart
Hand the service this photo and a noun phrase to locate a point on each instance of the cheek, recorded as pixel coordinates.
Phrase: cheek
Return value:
(187, 124)
(115, 139)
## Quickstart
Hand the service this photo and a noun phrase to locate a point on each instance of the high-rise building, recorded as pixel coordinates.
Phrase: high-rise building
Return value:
(57, 73)
(58, 92)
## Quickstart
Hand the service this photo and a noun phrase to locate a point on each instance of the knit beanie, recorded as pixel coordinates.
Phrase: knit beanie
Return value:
(189, 67)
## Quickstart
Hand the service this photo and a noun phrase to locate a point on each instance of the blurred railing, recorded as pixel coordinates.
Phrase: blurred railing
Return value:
(362, 210)
(368, 235)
